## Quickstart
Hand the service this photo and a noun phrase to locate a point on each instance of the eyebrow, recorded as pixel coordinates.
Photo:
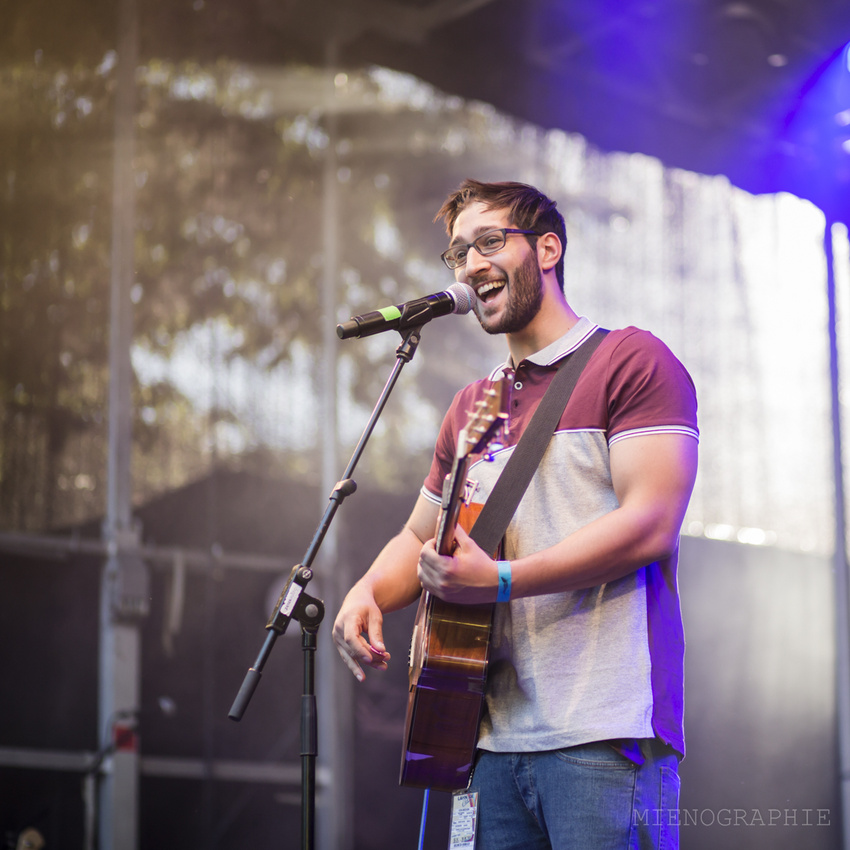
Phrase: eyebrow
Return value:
(460, 240)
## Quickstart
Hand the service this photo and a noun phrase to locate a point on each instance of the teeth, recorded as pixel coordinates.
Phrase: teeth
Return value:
(487, 288)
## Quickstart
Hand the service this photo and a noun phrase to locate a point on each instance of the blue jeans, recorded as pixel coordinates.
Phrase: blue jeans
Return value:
(588, 797)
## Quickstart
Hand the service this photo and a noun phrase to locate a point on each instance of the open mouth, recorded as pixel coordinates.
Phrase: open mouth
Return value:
(489, 289)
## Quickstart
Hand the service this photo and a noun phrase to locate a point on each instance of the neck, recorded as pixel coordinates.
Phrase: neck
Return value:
(555, 318)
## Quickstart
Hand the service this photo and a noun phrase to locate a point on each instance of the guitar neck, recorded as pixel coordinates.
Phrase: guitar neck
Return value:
(452, 496)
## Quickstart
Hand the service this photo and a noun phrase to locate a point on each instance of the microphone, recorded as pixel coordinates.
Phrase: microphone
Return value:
(458, 298)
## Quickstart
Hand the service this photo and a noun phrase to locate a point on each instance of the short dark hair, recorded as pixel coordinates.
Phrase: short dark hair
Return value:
(528, 208)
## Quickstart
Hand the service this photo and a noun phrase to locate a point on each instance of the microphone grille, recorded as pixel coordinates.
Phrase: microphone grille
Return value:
(464, 297)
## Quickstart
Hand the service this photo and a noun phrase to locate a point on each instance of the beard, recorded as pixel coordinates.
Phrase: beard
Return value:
(525, 297)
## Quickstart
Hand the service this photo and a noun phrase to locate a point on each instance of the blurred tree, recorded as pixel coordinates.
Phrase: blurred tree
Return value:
(229, 169)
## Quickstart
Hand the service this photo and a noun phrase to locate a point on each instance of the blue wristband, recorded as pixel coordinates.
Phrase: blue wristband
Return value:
(504, 581)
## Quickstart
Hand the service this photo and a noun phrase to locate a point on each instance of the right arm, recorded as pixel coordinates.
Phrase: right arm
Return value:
(390, 583)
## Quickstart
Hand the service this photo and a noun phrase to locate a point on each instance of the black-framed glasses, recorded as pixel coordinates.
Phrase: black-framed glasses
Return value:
(486, 243)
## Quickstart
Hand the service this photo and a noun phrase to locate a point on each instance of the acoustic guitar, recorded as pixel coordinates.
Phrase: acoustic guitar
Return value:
(450, 645)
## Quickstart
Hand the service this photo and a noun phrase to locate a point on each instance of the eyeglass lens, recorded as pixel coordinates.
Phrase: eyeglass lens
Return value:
(486, 243)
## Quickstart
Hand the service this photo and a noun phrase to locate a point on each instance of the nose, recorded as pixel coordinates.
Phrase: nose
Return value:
(475, 262)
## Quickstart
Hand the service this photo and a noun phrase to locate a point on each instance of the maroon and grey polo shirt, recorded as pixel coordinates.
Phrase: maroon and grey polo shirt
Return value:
(605, 662)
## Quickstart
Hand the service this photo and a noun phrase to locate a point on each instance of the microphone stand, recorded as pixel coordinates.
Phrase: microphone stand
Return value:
(295, 604)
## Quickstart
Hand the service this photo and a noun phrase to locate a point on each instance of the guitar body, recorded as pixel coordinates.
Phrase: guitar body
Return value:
(448, 669)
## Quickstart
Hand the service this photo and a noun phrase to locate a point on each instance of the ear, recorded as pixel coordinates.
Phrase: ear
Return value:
(549, 251)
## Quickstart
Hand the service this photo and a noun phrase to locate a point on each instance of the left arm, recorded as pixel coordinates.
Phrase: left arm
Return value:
(653, 477)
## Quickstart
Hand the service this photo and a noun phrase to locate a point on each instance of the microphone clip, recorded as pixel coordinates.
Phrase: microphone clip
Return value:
(295, 604)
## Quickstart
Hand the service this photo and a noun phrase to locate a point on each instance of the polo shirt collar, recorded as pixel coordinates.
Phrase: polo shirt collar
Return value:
(582, 330)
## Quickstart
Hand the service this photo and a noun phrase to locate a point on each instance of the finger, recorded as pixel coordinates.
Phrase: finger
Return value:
(424, 571)
(352, 665)
(430, 572)
(352, 648)
(363, 651)
(375, 635)
(463, 540)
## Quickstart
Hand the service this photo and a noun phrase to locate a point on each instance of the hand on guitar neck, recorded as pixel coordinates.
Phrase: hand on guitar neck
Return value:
(468, 576)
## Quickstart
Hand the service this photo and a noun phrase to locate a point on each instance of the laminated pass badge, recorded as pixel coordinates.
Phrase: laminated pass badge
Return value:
(464, 820)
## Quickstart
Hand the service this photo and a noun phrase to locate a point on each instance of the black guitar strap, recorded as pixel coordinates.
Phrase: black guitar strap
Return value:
(502, 503)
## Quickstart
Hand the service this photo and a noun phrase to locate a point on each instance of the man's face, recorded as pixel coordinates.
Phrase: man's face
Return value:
(508, 283)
